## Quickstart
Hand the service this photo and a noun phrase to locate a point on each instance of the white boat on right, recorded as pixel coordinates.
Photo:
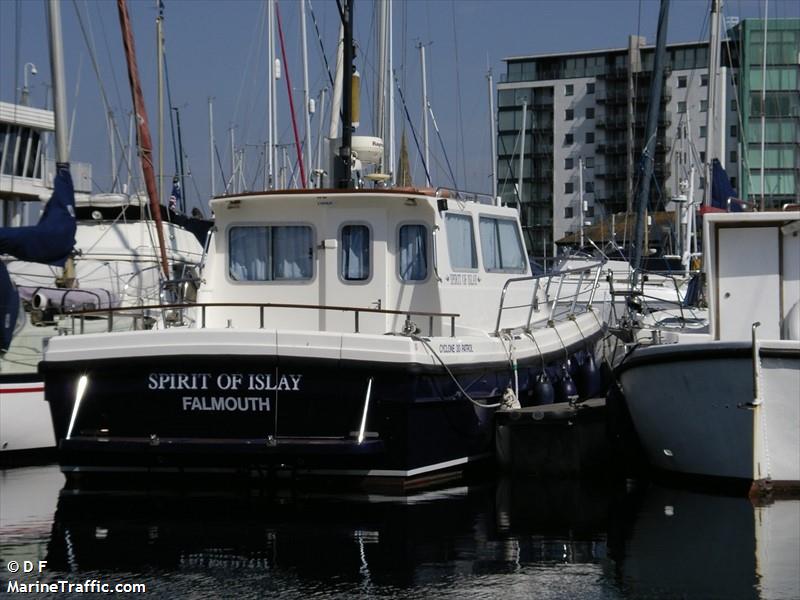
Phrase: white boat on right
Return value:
(724, 401)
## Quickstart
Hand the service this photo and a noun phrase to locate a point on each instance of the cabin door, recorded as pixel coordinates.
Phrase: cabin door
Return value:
(749, 264)
(354, 268)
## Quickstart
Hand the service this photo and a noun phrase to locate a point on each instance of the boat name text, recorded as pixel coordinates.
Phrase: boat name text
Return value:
(225, 381)
(463, 279)
(455, 348)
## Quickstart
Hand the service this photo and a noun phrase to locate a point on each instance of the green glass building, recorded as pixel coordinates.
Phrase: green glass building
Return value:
(775, 111)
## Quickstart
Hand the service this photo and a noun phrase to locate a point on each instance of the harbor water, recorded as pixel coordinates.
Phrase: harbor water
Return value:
(490, 538)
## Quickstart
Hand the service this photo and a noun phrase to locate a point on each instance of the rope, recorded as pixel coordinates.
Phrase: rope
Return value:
(427, 344)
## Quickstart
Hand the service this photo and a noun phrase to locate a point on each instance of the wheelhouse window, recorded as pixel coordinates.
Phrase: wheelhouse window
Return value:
(354, 258)
(461, 241)
(413, 253)
(501, 245)
(271, 253)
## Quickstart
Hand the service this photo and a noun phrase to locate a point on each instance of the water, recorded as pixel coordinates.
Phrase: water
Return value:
(492, 539)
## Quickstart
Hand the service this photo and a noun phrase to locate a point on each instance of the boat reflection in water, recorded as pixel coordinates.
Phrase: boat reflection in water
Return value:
(515, 538)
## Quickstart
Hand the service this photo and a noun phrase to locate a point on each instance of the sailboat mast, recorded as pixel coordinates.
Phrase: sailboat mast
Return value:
(306, 94)
(492, 134)
(713, 71)
(649, 151)
(425, 112)
(145, 142)
(59, 84)
(160, 87)
(343, 166)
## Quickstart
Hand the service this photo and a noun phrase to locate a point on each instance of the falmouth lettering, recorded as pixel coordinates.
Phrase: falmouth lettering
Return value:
(226, 403)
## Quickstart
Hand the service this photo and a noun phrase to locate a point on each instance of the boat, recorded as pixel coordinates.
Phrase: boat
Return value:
(86, 252)
(720, 400)
(363, 332)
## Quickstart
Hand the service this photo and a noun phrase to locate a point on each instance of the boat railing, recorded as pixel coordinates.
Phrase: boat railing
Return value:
(577, 296)
(464, 196)
(175, 314)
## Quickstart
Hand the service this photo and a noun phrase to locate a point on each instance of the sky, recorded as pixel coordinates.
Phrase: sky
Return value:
(217, 49)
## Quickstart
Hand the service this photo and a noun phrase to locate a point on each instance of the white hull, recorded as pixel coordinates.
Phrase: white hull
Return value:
(692, 406)
(25, 422)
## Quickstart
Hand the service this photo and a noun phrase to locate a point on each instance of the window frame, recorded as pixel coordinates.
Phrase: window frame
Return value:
(340, 253)
(520, 242)
(269, 224)
(429, 241)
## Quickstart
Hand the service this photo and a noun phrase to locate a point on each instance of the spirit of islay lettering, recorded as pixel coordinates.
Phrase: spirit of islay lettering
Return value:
(223, 384)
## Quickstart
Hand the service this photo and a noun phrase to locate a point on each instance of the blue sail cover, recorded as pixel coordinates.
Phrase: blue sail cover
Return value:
(51, 240)
(721, 189)
(9, 308)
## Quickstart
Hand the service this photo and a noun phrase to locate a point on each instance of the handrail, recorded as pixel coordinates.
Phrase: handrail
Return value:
(533, 305)
(82, 314)
(464, 195)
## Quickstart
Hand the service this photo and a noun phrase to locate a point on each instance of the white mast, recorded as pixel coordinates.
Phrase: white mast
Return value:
(320, 137)
(306, 98)
(764, 102)
(580, 196)
(336, 100)
(390, 81)
(270, 95)
(160, 88)
(211, 144)
(59, 90)
(379, 119)
(425, 114)
(493, 135)
(521, 152)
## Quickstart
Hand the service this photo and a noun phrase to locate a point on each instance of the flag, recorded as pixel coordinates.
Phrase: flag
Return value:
(175, 196)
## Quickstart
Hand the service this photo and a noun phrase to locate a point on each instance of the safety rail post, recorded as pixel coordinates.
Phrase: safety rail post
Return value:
(356, 315)
(110, 318)
(558, 295)
(452, 327)
(595, 285)
(430, 325)
(577, 293)
(203, 316)
(261, 315)
(534, 303)
(756, 363)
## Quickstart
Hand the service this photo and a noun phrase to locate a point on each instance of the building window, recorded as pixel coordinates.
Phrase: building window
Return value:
(501, 245)
(589, 162)
(460, 241)
(703, 157)
(682, 81)
(733, 182)
(590, 113)
(569, 139)
(569, 163)
(568, 187)
(354, 261)
(413, 260)
(681, 107)
(568, 212)
(569, 89)
(588, 187)
(590, 137)
(281, 252)
(569, 114)
(732, 157)
(733, 105)
(734, 131)
(589, 212)
(590, 88)
(703, 105)
(703, 80)
(702, 183)
(702, 131)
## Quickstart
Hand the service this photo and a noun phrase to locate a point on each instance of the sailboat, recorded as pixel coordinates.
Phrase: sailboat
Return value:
(369, 333)
(93, 252)
(714, 394)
